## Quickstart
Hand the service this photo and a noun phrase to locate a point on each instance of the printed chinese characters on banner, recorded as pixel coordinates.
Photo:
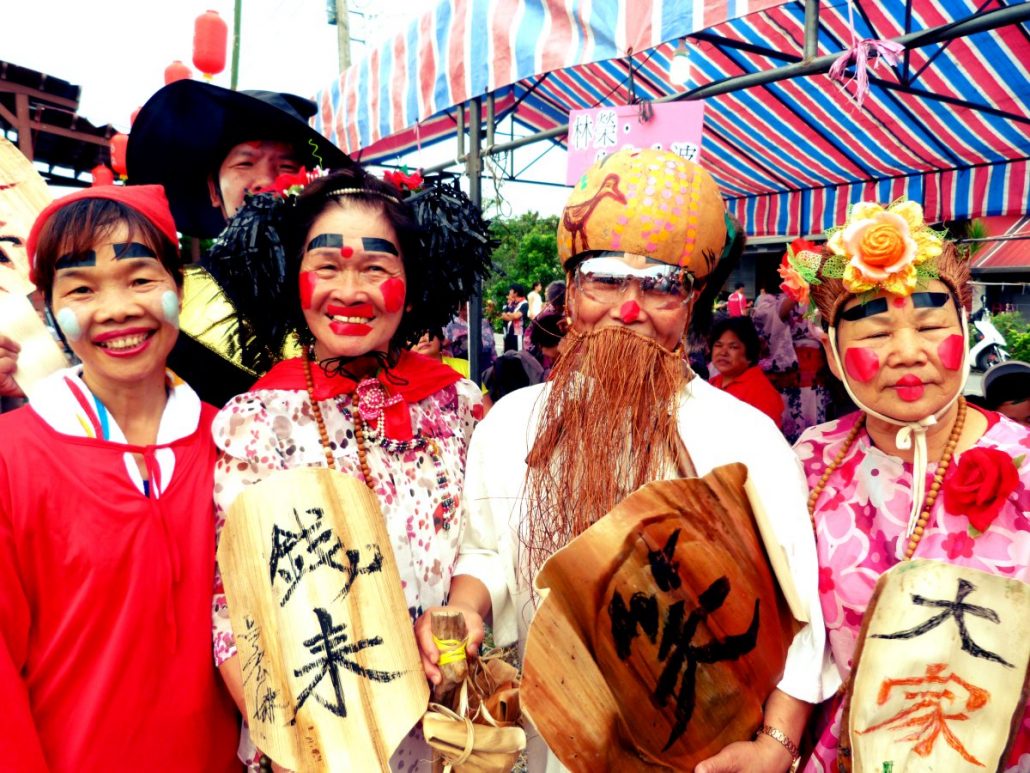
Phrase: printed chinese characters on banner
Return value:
(596, 133)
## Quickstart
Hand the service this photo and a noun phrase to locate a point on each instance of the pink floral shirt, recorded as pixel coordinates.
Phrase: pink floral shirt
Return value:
(863, 512)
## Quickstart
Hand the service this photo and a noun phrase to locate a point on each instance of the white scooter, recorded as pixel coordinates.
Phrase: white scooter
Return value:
(988, 344)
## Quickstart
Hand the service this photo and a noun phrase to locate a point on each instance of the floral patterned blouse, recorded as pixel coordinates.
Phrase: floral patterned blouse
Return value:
(863, 512)
(263, 431)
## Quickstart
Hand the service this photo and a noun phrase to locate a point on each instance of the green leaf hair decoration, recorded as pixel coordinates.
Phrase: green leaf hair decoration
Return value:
(833, 267)
(926, 271)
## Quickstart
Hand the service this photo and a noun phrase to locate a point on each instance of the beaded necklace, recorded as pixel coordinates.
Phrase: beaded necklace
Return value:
(935, 487)
(323, 433)
(447, 503)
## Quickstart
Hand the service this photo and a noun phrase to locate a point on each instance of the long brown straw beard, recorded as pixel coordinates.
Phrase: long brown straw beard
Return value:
(607, 428)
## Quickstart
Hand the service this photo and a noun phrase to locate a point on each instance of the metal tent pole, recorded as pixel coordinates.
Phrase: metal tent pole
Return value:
(811, 29)
(473, 170)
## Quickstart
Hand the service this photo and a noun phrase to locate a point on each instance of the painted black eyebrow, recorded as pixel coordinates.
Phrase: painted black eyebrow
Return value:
(128, 250)
(87, 258)
(863, 310)
(325, 240)
(929, 300)
(375, 244)
(11, 239)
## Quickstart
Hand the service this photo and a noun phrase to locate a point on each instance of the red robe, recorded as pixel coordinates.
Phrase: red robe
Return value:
(105, 607)
(755, 389)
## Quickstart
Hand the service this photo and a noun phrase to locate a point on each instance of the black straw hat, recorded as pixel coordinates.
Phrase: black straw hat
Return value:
(184, 131)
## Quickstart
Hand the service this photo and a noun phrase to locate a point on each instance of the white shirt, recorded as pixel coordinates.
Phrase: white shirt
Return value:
(57, 405)
(716, 429)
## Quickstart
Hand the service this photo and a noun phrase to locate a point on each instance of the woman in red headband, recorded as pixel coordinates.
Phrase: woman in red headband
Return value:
(105, 514)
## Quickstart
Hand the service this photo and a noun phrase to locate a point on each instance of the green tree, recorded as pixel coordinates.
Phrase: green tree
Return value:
(527, 252)
(1017, 334)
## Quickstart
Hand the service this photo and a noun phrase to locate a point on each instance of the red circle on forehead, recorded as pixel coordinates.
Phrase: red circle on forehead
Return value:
(898, 301)
(346, 251)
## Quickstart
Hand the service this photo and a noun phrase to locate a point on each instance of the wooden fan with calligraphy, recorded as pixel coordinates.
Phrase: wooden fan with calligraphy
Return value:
(940, 680)
(331, 672)
(661, 632)
(23, 195)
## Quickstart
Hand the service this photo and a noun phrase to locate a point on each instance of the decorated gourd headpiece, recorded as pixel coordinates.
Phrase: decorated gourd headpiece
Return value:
(650, 203)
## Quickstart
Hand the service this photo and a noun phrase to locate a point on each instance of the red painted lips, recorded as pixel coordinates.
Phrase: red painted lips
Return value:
(910, 388)
(144, 333)
(360, 310)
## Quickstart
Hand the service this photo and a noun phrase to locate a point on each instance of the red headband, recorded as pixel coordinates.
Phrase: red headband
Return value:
(148, 200)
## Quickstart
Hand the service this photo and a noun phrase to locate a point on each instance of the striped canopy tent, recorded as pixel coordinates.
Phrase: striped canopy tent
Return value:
(949, 126)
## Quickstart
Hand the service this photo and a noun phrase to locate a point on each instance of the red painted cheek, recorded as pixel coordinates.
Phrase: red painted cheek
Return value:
(393, 290)
(950, 351)
(629, 312)
(861, 363)
(308, 280)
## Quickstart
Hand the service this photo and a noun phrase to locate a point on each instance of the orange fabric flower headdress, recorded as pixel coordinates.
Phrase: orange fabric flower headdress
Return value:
(881, 248)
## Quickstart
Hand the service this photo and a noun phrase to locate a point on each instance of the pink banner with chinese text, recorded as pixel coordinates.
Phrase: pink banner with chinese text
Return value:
(598, 132)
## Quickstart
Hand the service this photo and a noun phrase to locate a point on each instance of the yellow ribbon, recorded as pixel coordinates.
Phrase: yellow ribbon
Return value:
(451, 650)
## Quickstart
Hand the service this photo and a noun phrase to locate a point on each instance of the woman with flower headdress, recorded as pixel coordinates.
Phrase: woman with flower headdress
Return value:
(368, 274)
(916, 473)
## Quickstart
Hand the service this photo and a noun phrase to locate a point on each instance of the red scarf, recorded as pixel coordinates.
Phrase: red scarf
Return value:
(415, 377)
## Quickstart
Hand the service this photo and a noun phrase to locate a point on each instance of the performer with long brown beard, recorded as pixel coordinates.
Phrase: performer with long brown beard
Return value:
(641, 240)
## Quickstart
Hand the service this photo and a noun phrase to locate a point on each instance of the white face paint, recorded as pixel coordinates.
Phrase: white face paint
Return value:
(170, 308)
(69, 324)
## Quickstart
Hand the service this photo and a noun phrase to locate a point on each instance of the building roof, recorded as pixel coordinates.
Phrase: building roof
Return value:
(1009, 252)
(39, 114)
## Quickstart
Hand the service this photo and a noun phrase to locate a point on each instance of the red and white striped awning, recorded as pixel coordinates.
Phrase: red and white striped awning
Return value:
(949, 126)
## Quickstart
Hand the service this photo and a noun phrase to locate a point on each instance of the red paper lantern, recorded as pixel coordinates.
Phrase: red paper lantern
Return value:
(177, 71)
(210, 36)
(119, 143)
(102, 175)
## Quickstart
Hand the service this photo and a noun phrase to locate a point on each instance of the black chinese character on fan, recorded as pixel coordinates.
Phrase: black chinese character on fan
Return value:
(676, 650)
(334, 653)
(957, 609)
(294, 554)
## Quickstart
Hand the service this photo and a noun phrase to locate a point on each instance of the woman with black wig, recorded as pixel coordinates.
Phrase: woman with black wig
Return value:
(366, 273)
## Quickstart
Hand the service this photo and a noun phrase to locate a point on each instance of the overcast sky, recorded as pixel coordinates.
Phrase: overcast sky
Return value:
(117, 50)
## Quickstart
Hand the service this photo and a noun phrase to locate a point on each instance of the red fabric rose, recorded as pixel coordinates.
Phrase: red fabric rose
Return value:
(286, 182)
(979, 484)
(403, 181)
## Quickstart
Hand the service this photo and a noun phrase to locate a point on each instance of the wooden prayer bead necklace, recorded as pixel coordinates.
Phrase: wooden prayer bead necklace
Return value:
(323, 433)
(447, 501)
(935, 487)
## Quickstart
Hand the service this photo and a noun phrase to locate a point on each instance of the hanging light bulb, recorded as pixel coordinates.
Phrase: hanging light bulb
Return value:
(679, 69)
